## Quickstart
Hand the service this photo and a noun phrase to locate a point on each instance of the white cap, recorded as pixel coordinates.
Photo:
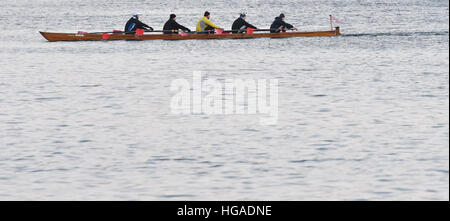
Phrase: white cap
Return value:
(137, 13)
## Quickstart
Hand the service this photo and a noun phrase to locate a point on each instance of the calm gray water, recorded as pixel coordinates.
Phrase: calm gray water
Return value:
(364, 116)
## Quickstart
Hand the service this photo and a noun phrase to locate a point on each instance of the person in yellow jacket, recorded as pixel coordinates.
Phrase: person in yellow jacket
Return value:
(205, 25)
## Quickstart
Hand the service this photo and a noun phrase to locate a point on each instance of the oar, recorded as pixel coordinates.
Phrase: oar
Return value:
(120, 32)
(173, 31)
(106, 35)
(257, 30)
(261, 30)
(110, 32)
(240, 30)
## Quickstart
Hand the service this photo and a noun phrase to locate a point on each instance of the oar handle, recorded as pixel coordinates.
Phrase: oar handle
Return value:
(206, 32)
(255, 30)
(112, 32)
(173, 31)
(122, 32)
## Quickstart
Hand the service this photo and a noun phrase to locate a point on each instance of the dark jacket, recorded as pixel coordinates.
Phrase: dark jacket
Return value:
(239, 24)
(172, 26)
(279, 23)
(134, 24)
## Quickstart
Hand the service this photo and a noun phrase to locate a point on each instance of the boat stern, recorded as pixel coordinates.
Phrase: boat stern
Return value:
(337, 31)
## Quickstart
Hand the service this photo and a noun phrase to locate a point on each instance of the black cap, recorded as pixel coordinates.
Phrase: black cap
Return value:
(172, 16)
(282, 15)
(207, 13)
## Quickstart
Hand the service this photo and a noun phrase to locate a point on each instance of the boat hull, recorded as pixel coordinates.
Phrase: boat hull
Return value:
(53, 37)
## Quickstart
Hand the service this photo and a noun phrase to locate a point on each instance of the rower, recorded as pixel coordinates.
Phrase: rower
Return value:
(280, 25)
(240, 25)
(172, 26)
(205, 25)
(134, 24)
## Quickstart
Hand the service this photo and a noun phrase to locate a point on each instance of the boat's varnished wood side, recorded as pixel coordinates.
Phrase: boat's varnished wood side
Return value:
(52, 37)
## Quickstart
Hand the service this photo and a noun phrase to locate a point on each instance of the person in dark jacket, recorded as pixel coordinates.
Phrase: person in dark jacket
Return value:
(280, 25)
(134, 24)
(240, 25)
(172, 26)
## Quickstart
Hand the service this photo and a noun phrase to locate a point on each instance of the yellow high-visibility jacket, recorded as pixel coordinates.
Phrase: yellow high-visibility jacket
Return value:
(203, 23)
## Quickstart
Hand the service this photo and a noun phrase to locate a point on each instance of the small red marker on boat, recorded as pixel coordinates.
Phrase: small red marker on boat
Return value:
(219, 31)
(140, 32)
(105, 36)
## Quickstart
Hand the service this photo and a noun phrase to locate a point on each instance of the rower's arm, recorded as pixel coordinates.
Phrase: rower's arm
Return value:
(182, 27)
(249, 25)
(208, 22)
(288, 26)
(144, 25)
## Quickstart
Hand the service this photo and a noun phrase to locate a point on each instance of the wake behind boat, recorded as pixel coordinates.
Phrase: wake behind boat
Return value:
(53, 37)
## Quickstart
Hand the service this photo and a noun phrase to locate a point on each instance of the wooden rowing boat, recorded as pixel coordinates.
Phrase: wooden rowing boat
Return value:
(52, 37)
